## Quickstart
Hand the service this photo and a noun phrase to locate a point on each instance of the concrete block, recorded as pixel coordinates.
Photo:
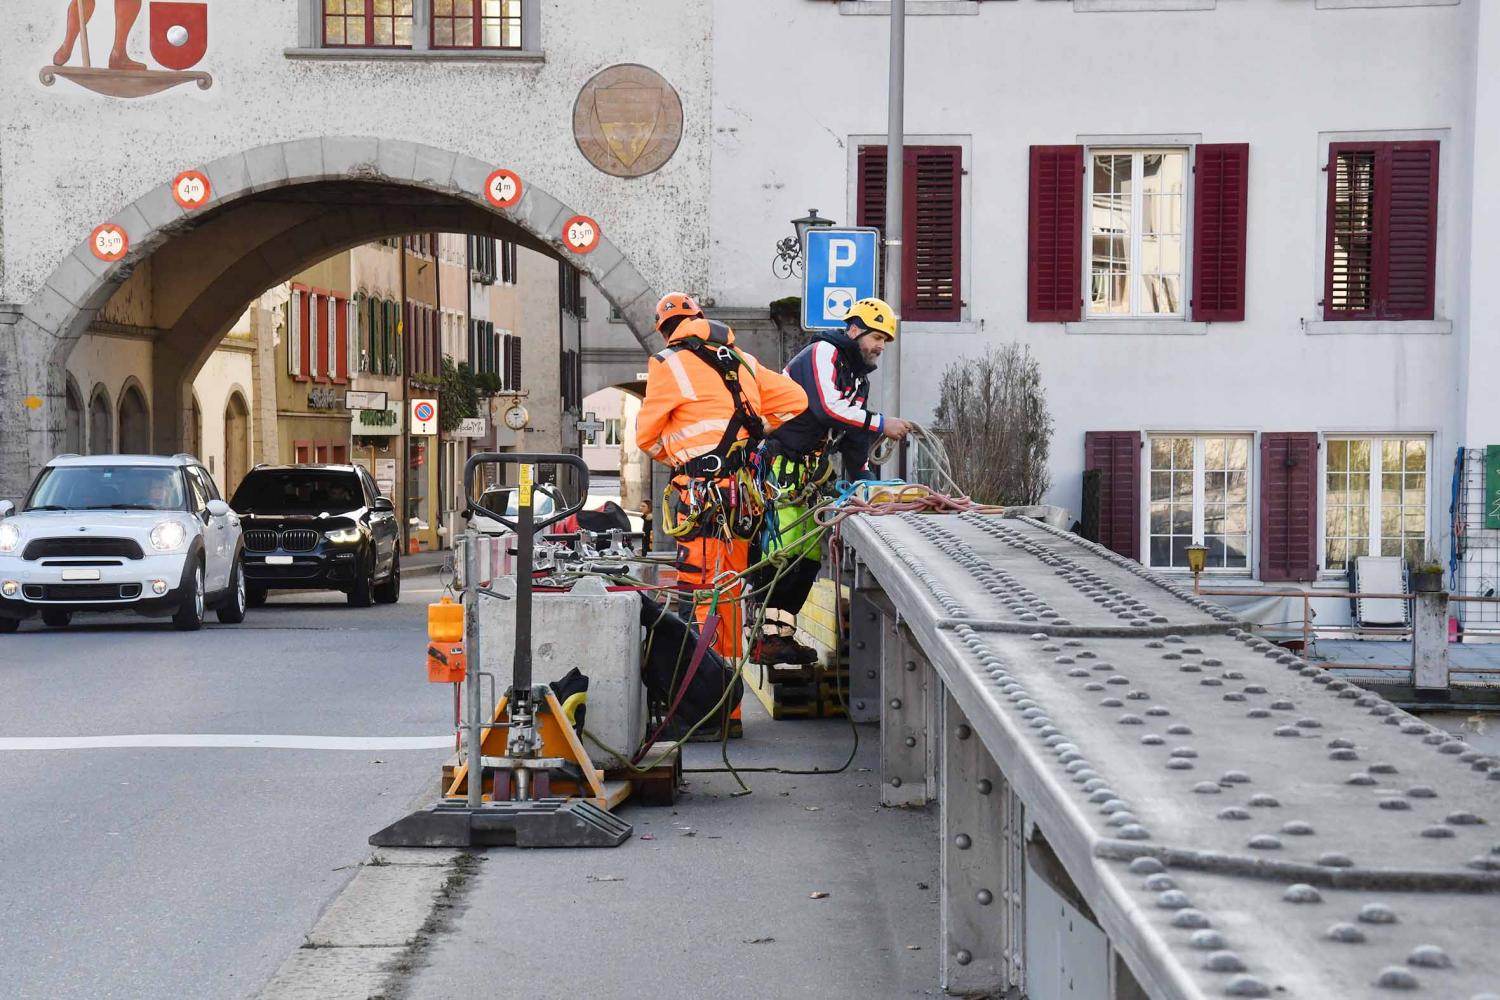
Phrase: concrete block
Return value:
(322, 973)
(73, 281)
(537, 210)
(265, 167)
(469, 174)
(229, 176)
(50, 311)
(605, 258)
(434, 167)
(396, 159)
(624, 284)
(304, 160)
(350, 156)
(158, 207)
(591, 629)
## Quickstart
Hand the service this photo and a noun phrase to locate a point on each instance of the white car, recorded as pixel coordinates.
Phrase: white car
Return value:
(121, 533)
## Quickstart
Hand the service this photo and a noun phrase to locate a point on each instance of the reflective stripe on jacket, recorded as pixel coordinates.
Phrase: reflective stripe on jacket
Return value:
(688, 407)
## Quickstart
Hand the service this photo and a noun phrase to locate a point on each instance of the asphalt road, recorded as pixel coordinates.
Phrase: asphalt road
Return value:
(148, 873)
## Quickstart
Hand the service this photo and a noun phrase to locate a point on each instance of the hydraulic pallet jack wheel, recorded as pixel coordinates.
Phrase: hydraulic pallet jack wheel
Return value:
(536, 786)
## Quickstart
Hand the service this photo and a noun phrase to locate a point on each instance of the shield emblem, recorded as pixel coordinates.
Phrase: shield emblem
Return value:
(179, 33)
(628, 114)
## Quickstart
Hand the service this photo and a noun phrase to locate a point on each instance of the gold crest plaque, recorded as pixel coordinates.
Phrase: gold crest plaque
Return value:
(627, 120)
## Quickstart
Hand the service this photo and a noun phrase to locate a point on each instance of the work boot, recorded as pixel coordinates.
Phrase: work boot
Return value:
(770, 650)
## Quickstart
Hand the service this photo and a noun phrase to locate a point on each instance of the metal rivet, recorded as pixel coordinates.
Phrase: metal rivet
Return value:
(896, 703)
(1376, 913)
(1159, 883)
(1396, 978)
(1189, 919)
(984, 897)
(911, 666)
(1223, 961)
(964, 732)
(895, 782)
(963, 957)
(1265, 842)
(962, 842)
(1206, 788)
(859, 705)
(1235, 778)
(984, 786)
(1247, 986)
(1395, 804)
(1234, 812)
(1297, 828)
(1301, 892)
(1333, 859)
(1345, 934)
(1147, 866)
(911, 741)
(1207, 940)
(1173, 899)
(1264, 801)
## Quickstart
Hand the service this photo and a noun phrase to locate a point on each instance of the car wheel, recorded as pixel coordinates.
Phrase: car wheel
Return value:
(57, 617)
(9, 625)
(189, 616)
(388, 591)
(361, 592)
(255, 597)
(232, 611)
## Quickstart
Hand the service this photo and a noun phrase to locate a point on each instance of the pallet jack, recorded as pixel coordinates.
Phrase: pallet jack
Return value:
(539, 788)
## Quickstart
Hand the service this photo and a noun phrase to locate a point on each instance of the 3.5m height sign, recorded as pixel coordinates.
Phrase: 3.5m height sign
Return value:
(841, 266)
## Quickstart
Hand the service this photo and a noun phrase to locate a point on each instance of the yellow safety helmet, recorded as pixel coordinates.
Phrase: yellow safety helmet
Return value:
(874, 315)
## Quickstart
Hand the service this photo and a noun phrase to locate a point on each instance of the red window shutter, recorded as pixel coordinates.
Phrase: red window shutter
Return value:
(932, 197)
(1411, 230)
(1381, 248)
(1054, 251)
(341, 346)
(930, 270)
(1117, 455)
(1288, 506)
(320, 308)
(1220, 188)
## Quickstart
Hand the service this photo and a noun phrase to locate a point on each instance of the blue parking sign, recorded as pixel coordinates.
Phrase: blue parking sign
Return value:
(840, 267)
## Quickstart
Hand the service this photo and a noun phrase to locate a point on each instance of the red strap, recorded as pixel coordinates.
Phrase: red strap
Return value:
(705, 639)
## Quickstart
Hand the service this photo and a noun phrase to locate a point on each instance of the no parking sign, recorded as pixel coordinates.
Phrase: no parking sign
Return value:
(424, 416)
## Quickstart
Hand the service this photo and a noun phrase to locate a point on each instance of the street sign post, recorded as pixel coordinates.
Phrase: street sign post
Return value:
(841, 266)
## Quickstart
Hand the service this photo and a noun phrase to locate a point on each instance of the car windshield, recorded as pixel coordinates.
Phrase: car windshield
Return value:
(298, 491)
(503, 501)
(108, 487)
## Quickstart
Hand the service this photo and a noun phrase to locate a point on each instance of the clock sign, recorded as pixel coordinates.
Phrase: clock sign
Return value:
(516, 417)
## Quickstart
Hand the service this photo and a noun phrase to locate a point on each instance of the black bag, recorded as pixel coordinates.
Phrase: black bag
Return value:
(670, 643)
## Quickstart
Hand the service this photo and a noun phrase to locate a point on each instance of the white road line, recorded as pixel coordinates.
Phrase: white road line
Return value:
(226, 741)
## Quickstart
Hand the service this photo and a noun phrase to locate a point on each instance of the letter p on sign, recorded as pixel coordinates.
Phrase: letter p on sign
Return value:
(841, 254)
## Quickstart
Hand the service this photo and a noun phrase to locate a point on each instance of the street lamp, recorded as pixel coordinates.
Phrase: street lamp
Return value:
(1197, 557)
(789, 257)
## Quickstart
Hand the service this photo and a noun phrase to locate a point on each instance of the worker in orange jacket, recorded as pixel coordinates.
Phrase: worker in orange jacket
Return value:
(707, 405)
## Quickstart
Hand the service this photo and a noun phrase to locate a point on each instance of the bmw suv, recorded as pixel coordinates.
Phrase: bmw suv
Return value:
(319, 527)
(121, 532)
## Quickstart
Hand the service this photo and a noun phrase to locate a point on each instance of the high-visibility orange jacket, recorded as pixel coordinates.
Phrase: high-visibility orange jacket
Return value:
(688, 407)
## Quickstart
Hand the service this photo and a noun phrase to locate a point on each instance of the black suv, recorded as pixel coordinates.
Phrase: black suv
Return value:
(318, 527)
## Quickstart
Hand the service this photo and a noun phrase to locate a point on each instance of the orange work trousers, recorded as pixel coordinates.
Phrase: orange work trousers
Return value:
(701, 561)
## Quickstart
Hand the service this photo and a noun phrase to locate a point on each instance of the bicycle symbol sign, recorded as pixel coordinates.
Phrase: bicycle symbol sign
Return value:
(190, 189)
(109, 242)
(581, 234)
(502, 188)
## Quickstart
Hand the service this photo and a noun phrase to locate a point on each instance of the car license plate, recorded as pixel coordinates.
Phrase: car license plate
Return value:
(80, 574)
(278, 560)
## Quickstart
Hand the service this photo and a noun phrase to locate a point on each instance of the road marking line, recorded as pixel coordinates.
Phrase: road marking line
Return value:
(226, 741)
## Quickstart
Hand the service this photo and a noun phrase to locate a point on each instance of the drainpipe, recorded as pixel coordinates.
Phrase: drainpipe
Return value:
(404, 462)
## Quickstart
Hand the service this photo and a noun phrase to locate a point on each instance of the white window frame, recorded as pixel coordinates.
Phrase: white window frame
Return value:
(1137, 150)
(294, 334)
(1252, 487)
(310, 38)
(1376, 438)
(333, 338)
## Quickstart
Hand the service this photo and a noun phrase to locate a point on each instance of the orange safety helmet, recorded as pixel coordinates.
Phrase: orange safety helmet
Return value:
(676, 304)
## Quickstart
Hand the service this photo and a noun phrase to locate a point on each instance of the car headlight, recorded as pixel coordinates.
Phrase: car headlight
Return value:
(342, 536)
(10, 538)
(167, 536)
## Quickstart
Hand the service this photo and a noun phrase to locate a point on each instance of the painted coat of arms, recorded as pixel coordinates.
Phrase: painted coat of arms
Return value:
(627, 120)
(178, 42)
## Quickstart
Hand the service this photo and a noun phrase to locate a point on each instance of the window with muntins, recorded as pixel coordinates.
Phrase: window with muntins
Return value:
(476, 24)
(367, 23)
(1381, 254)
(1199, 489)
(1137, 204)
(1374, 498)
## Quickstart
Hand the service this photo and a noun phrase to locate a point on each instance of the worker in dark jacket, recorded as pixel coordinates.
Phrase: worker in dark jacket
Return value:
(834, 370)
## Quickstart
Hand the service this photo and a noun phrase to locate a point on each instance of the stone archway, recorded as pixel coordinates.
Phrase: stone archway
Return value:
(274, 210)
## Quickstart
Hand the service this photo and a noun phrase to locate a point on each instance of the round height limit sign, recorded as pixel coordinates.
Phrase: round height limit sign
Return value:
(503, 188)
(580, 234)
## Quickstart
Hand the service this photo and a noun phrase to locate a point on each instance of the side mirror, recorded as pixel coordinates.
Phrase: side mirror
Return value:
(383, 504)
(7, 508)
(218, 508)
